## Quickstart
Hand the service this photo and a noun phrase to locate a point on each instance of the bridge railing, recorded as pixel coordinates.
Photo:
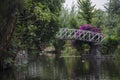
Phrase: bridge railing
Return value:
(83, 35)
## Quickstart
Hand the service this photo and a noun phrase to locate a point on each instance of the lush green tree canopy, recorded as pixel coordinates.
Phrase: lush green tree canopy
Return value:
(38, 22)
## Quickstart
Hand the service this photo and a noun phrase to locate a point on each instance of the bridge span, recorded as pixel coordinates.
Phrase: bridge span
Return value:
(83, 35)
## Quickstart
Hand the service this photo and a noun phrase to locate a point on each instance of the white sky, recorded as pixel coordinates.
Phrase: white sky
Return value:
(99, 3)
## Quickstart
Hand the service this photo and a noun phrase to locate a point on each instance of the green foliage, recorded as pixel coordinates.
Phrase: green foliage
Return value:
(69, 50)
(38, 22)
(110, 45)
(113, 7)
(111, 27)
(113, 11)
(85, 10)
(8, 61)
(73, 20)
(99, 18)
(68, 18)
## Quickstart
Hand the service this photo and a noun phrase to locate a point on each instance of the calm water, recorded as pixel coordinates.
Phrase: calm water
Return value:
(68, 68)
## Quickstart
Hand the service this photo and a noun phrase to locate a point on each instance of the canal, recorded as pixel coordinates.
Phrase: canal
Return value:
(65, 68)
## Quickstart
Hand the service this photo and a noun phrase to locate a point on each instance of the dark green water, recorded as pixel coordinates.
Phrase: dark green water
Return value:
(69, 68)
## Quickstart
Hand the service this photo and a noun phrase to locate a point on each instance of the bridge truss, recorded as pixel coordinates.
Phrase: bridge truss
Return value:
(83, 35)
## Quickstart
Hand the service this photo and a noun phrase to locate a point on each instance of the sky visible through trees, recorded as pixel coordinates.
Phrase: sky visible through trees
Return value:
(99, 3)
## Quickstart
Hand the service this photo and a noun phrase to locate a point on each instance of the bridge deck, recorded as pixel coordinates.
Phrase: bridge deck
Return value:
(83, 35)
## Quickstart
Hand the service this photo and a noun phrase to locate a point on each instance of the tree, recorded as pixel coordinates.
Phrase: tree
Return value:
(85, 10)
(112, 26)
(35, 24)
(113, 11)
(38, 22)
(68, 18)
(99, 18)
(8, 11)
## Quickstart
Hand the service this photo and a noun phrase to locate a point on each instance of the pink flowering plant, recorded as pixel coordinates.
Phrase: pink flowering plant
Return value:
(87, 27)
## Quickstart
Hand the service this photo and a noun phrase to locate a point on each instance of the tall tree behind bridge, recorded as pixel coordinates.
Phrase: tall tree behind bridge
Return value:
(85, 10)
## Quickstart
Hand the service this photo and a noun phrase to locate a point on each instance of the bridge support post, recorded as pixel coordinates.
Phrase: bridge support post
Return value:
(95, 49)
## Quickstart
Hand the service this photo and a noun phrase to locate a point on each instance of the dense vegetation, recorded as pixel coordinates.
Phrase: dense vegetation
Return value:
(32, 24)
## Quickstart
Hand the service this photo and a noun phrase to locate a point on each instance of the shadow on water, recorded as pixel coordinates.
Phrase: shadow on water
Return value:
(69, 68)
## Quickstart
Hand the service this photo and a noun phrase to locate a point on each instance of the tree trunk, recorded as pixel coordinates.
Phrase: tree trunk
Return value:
(7, 32)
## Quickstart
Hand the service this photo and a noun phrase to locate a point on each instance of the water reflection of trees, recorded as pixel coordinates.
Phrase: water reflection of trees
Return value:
(47, 69)
(112, 69)
(50, 68)
(88, 69)
(94, 69)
